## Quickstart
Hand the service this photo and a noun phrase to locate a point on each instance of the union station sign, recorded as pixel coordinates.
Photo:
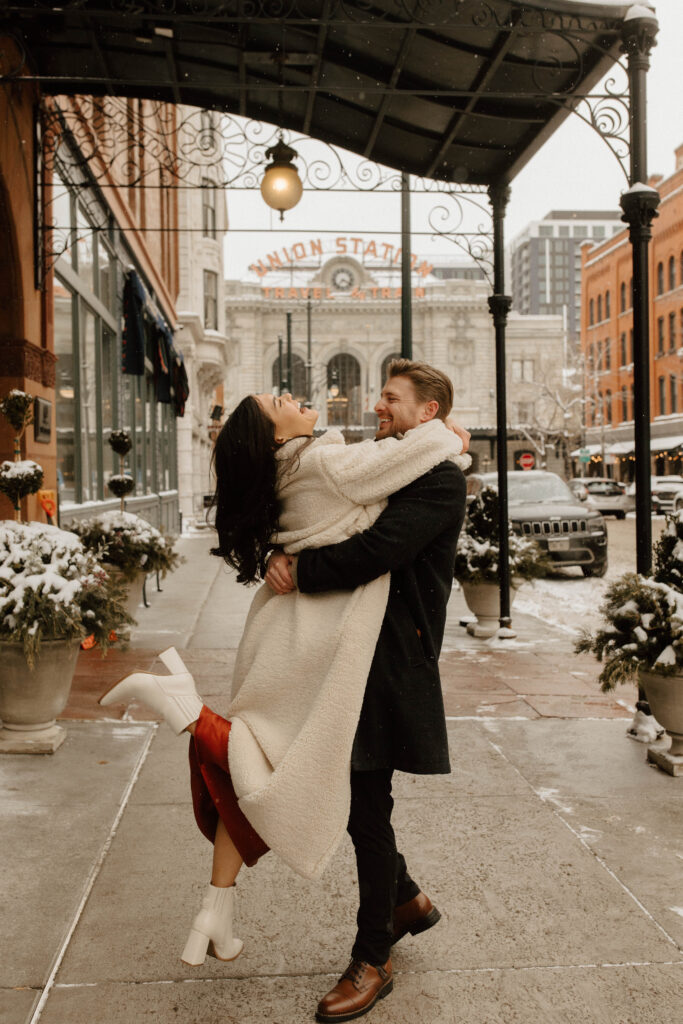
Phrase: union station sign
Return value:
(348, 278)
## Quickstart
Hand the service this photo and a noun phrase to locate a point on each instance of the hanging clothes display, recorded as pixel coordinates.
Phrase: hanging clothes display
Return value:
(133, 342)
(181, 388)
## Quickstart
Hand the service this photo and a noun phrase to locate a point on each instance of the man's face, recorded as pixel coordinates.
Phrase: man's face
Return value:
(398, 408)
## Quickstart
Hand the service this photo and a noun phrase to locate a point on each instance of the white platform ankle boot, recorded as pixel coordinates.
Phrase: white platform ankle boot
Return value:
(212, 929)
(173, 696)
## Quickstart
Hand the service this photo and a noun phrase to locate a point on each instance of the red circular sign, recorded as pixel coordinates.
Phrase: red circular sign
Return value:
(527, 460)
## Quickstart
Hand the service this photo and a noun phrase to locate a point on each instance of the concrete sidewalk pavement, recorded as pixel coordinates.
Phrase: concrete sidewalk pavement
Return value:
(554, 853)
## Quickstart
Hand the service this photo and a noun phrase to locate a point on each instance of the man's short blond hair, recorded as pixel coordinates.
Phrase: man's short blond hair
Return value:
(431, 385)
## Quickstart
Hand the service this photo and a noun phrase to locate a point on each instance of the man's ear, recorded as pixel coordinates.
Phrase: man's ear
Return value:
(430, 411)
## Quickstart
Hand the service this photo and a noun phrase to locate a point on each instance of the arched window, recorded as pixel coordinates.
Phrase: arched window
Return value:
(624, 403)
(623, 354)
(298, 383)
(599, 363)
(672, 273)
(630, 291)
(662, 396)
(622, 297)
(591, 358)
(385, 366)
(673, 393)
(343, 391)
(608, 407)
(591, 313)
(599, 308)
(607, 305)
(660, 278)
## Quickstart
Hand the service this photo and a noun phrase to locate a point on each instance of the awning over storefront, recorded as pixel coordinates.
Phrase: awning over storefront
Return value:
(591, 449)
(465, 91)
(666, 444)
(657, 444)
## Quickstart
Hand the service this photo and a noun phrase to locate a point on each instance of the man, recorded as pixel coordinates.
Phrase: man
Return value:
(402, 725)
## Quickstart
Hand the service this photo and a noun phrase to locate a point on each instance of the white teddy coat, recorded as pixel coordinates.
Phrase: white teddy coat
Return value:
(303, 660)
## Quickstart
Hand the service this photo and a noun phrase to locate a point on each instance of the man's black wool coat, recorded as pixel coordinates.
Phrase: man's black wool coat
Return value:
(402, 723)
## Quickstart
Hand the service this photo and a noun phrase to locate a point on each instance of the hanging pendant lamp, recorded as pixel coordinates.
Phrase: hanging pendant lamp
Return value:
(281, 185)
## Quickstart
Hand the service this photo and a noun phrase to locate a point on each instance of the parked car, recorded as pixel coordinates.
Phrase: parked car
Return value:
(665, 490)
(607, 495)
(542, 506)
(578, 488)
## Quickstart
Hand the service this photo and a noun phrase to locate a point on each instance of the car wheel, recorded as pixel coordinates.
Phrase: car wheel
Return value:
(594, 570)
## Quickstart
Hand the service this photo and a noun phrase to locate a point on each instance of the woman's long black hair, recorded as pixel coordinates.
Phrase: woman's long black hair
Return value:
(246, 502)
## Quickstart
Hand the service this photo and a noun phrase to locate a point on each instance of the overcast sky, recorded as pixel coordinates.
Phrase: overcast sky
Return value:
(574, 170)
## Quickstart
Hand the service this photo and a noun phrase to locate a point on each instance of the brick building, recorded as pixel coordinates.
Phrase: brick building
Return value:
(607, 341)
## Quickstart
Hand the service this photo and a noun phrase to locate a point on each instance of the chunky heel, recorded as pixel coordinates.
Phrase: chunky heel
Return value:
(227, 954)
(196, 948)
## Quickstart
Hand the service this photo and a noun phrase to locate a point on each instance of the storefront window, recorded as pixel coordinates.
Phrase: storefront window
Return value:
(105, 273)
(84, 250)
(60, 208)
(88, 387)
(110, 462)
(65, 392)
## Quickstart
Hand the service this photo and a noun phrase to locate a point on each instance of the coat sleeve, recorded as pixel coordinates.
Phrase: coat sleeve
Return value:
(369, 472)
(412, 519)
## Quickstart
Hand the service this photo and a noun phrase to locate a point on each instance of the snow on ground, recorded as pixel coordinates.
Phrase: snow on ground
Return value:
(569, 602)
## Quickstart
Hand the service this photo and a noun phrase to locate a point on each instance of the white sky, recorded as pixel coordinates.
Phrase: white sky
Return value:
(574, 170)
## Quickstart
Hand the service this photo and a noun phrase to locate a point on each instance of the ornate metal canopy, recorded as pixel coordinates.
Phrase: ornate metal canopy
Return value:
(453, 90)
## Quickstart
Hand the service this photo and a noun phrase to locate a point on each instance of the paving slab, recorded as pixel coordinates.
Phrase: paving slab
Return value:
(627, 812)
(16, 1004)
(648, 994)
(56, 814)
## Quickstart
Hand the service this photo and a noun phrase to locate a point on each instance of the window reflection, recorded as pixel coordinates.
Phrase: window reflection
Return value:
(88, 406)
(84, 249)
(65, 404)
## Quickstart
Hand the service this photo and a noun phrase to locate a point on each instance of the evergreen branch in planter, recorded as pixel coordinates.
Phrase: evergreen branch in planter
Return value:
(477, 558)
(121, 442)
(51, 588)
(17, 408)
(129, 543)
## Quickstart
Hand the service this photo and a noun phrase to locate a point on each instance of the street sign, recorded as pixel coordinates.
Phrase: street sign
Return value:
(527, 460)
(584, 455)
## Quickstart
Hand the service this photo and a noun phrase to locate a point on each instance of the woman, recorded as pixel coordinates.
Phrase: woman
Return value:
(282, 780)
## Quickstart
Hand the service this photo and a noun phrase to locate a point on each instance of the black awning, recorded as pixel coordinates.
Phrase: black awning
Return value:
(457, 90)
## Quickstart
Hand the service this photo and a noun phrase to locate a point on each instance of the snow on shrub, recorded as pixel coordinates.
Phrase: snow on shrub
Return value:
(51, 588)
(17, 479)
(128, 542)
(478, 555)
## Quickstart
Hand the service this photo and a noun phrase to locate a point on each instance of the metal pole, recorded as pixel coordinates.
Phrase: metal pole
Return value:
(309, 357)
(499, 306)
(406, 292)
(640, 208)
(280, 366)
(289, 352)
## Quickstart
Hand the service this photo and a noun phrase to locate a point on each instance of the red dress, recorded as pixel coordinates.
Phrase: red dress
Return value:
(213, 794)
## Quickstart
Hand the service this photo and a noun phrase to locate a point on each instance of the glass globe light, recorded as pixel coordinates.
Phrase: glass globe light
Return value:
(281, 186)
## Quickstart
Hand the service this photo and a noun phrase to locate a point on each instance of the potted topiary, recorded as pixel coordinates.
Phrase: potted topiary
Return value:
(22, 476)
(477, 560)
(52, 594)
(129, 547)
(642, 640)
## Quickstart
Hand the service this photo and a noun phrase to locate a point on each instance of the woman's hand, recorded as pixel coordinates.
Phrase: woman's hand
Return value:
(463, 434)
(278, 574)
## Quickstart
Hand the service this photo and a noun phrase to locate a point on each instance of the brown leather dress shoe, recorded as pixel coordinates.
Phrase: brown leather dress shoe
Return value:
(356, 992)
(415, 916)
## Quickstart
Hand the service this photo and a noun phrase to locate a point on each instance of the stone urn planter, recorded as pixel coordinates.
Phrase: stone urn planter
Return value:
(31, 698)
(665, 697)
(483, 600)
(133, 588)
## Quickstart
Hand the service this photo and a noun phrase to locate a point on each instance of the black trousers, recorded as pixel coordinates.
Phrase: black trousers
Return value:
(383, 879)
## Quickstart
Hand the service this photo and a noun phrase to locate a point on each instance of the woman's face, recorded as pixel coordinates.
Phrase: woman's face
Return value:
(291, 419)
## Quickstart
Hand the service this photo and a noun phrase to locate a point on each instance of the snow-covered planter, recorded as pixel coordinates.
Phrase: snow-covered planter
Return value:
(52, 594)
(642, 639)
(52, 588)
(120, 484)
(129, 543)
(478, 555)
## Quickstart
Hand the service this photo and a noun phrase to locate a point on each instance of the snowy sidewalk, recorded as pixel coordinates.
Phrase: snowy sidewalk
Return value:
(552, 850)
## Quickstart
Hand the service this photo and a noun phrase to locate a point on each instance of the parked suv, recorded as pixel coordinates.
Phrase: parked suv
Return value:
(607, 495)
(542, 507)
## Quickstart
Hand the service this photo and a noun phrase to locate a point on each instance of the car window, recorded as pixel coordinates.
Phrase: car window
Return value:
(527, 487)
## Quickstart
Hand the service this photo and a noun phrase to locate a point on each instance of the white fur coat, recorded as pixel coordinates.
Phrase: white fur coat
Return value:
(303, 660)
